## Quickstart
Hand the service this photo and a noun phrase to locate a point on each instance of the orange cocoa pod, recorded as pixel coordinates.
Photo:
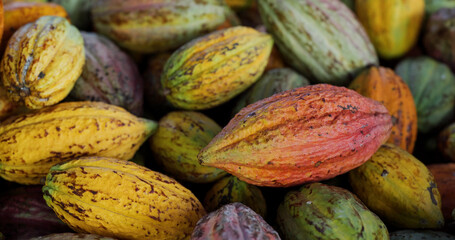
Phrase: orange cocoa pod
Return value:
(383, 85)
(18, 14)
(306, 134)
(444, 176)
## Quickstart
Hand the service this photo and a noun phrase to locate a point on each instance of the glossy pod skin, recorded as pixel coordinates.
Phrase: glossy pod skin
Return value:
(120, 199)
(321, 39)
(213, 69)
(34, 142)
(302, 135)
(383, 85)
(42, 62)
(392, 25)
(140, 25)
(399, 188)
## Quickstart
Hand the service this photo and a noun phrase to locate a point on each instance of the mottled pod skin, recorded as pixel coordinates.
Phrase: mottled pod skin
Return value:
(444, 176)
(322, 39)
(72, 236)
(233, 221)
(24, 214)
(212, 69)
(420, 234)
(319, 211)
(149, 26)
(42, 62)
(439, 38)
(231, 189)
(272, 82)
(177, 142)
(33, 142)
(120, 199)
(392, 25)
(17, 14)
(383, 85)
(399, 188)
(109, 75)
(302, 135)
(433, 87)
(446, 142)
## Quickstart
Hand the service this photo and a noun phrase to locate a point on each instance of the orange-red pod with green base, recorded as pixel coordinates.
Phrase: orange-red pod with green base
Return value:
(392, 25)
(302, 135)
(383, 85)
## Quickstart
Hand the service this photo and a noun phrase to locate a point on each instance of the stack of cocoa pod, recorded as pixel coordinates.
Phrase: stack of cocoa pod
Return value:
(227, 119)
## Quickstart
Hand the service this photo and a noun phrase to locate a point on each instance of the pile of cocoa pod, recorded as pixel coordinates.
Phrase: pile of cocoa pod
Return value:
(227, 119)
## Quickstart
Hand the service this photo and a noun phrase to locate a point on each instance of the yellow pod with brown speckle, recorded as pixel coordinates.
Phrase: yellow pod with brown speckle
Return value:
(42, 62)
(213, 69)
(399, 188)
(121, 199)
(30, 144)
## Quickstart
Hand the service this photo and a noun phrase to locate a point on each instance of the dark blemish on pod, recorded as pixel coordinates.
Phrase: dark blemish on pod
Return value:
(384, 173)
(430, 190)
(41, 75)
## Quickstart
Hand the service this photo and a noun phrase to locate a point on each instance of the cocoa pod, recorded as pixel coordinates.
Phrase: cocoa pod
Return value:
(302, 135)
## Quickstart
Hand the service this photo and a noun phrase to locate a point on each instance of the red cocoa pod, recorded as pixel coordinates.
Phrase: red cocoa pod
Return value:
(302, 135)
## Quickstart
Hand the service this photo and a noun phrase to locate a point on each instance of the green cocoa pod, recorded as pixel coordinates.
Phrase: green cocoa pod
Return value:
(432, 6)
(78, 11)
(446, 142)
(180, 137)
(420, 235)
(231, 189)
(272, 82)
(321, 39)
(433, 87)
(319, 211)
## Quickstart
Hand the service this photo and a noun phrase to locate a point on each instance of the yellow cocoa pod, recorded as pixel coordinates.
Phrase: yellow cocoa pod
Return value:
(231, 189)
(120, 199)
(34, 142)
(399, 188)
(177, 142)
(42, 62)
(392, 25)
(213, 69)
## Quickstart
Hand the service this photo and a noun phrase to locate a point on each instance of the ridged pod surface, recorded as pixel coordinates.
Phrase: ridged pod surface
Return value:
(109, 75)
(32, 143)
(383, 85)
(392, 25)
(212, 69)
(272, 82)
(231, 189)
(433, 87)
(302, 135)
(177, 142)
(72, 236)
(399, 188)
(149, 26)
(444, 176)
(233, 221)
(319, 211)
(24, 214)
(439, 36)
(420, 235)
(42, 62)
(120, 199)
(17, 14)
(321, 39)
(446, 142)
